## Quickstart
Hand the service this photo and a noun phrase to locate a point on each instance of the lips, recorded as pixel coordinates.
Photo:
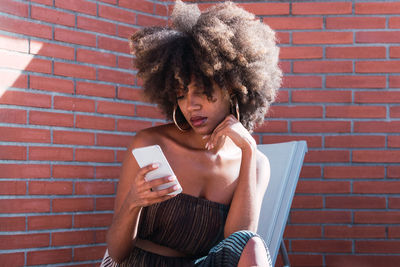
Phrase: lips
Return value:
(198, 121)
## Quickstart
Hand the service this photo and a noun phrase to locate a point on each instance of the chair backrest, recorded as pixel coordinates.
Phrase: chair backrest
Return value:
(285, 160)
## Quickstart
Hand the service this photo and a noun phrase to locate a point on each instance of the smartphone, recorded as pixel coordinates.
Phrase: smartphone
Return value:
(153, 154)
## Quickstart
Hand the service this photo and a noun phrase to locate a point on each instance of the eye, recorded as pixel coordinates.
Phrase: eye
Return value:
(179, 97)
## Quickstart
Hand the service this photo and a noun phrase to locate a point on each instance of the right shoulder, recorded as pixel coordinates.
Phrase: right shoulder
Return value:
(151, 136)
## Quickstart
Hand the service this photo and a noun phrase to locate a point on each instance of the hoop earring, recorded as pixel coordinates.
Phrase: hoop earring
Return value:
(174, 119)
(235, 108)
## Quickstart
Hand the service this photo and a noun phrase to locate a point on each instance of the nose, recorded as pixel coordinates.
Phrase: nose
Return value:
(193, 102)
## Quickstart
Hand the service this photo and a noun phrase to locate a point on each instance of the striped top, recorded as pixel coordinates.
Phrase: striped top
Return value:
(185, 223)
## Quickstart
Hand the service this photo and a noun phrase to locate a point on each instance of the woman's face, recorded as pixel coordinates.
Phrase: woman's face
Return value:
(202, 114)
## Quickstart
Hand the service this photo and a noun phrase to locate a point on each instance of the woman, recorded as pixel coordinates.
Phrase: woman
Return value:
(214, 75)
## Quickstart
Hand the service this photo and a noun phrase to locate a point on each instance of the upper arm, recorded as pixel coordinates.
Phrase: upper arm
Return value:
(263, 173)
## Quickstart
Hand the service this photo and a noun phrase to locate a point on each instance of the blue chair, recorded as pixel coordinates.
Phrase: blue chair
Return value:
(285, 160)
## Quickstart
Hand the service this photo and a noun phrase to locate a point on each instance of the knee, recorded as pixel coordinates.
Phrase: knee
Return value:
(254, 253)
(255, 245)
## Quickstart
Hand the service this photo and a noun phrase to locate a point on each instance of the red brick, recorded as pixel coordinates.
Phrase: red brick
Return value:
(272, 127)
(73, 138)
(137, 5)
(26, 62)
(293, 23)
(283, 38)
(355, 112)
(44, 2)
(95, 57)
(395, 112)
(361, 260)
(49, 256)
(51, 153)
(282, 97)
(126, 125)
(377, 97)
(130, 94)
(307, 202)
(72, 204)
(25, 99)
(377, 8)
(308, 260)
(72, 238)
(52, 16)
(355, 202)
(316, 216)
(20, 241)
(117, 14)
(13, 153)
(107, 172)
(321, 8)
(12, 224)
(51, 84)
(49, 222)
(356, 82)
(327, 156)
(295, 112)
(312, 141)
(12, 78)
(14, 44)
(352, 231)
(94, 188)
(375, 187)
(377, 126)
(378, 66)
(101, 236)
(25, 27)
(125, 62)
(126, 31)
(94, 155)
(322, 38)
(51, 118)
(395, 52)
(394, 203)
(74, 70)
(346, 23)
(24, 205)
(94, 122)
(52, 50)
(92, 220)
(50, 188)
(149, 112)
(74, 104)
(143, 20)
(323, 187)
(377, 246)
(376, 156)
(120, 156)
(310, 172)
(321, 96)
(300, 53)
(394, 22)
(74, 37)
(12, 187)
(394, 141)
(302, 82)
(393, 172)
(89, 253)
(95, 89)
(73, 171)
(376, 217)
(24, 171)
(80, 6)
(322, 246)
(96, 25)
(14, 8)
(378, 37)
(112, 44)
(116, 108)
(356, 52)
(105, 203)
(12, 134)
(348, 141)
(302, 231)
(320, 126)
(322, 66)
(161, 10)
(113, 140)
(394, 232)
(115, 76)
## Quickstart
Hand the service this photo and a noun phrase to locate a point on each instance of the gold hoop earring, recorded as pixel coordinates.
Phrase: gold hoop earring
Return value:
(235, 108)
(174, 119)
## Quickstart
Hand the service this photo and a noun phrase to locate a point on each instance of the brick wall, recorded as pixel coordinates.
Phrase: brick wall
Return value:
(70, 103)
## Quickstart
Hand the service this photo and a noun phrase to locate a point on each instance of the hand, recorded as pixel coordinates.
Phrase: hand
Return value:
(141, 193)
(232, 128)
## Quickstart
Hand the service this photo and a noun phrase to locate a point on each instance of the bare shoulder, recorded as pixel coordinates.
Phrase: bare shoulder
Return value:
(150, 136)
(263, 169)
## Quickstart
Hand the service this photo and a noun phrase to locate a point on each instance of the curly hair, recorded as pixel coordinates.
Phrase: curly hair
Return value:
(225, 45)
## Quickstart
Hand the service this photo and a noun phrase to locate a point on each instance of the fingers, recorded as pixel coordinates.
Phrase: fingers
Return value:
(219, 134)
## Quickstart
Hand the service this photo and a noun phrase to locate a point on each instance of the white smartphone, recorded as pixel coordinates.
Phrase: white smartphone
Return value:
(153, 154)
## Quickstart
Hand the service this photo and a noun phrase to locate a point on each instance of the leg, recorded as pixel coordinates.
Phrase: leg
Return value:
(254, 254)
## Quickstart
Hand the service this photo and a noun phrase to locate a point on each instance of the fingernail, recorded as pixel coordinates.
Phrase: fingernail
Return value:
(154, 165)
(176, 187)
(171, 178)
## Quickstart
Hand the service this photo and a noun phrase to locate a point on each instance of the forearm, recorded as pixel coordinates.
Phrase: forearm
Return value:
(122, 232)
(244, 210)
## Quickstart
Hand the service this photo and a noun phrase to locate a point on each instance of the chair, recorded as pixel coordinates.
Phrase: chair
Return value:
(285, 160)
